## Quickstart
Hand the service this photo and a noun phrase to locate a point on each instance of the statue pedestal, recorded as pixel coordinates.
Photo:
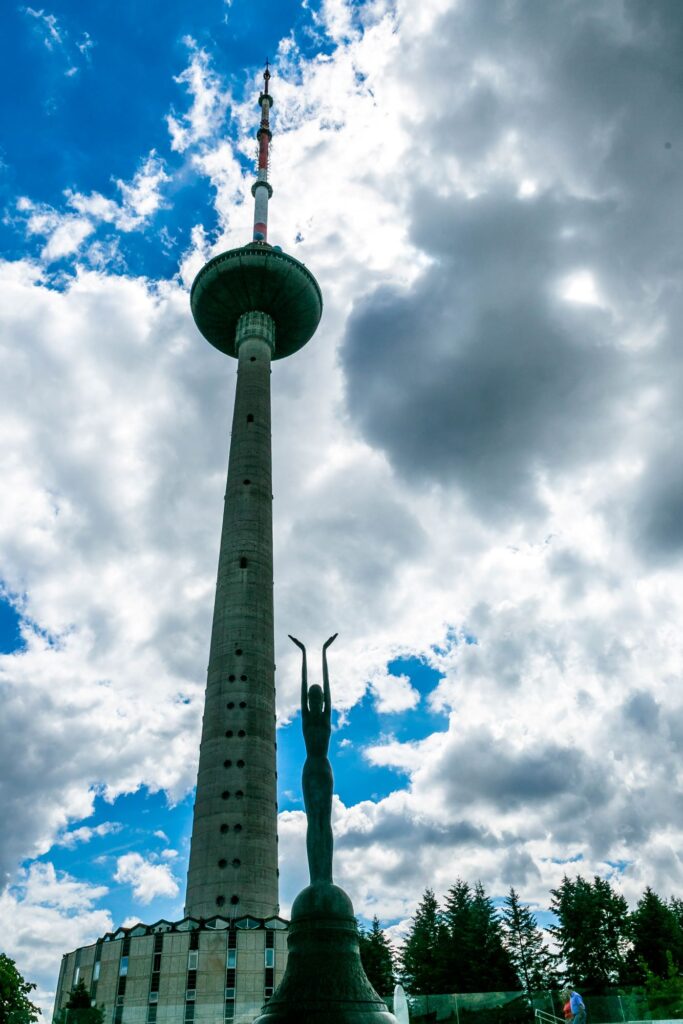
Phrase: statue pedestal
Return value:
(324, 982)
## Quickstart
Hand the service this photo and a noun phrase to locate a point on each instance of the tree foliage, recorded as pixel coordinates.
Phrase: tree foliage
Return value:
(531, 959)
(15, 1005)
(593, 931)
(78, 1008)
(421, 958)
(657, 937)
(377, 957)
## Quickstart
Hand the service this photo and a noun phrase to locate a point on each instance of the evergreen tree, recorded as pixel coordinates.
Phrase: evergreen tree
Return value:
(655, 932)
(476, 957)
(78, 1008)
(377, 957)
(529, 954)
(460, 952)
(593, 931)
(664, 994)
(15, 1005)
(422, 962)
(496, 971)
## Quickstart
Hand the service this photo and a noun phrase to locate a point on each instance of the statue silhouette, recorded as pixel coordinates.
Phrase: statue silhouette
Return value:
(317, 780)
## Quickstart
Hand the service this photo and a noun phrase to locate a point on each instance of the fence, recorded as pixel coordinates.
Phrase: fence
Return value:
(627, 1006)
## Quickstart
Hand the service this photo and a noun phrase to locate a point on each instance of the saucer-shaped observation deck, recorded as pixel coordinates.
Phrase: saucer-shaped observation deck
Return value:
(256, 278)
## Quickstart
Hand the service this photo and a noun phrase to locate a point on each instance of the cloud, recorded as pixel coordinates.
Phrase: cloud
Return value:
(209, 101)
(148, 880)
(85, 833)
(45, 914)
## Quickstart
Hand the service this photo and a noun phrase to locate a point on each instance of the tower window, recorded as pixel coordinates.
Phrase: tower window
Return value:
(241, 732)
(246, 482)
(225, 828)
(250, 417)
(231, 679)
(239, 794)
(230, 705)
(220, 901)
(240, 763)
(243, 679)
(228, 733)
(225, 794)
(238, 652)
(222, 863)
(228, 764)
(237, 828)
(243, 563)
(234, 899)
(236, 862)
(243, 703)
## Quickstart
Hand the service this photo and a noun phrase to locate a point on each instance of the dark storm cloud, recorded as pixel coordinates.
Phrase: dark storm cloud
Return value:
(480, 375)
(394, 829)
(477, 375)
(481, 768)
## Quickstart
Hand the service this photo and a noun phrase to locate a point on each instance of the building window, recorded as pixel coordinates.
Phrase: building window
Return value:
(119, 1000)
(118, 1014)
(77, 974)
(121, 990)
(154, 985)
(156, 963)
(191, 981)
(190, 994)
(154, 997)
(229, 1009)
(269, 957)
(267, 993)
(232, 958)
(229, 993)
(158, 942)
(192, 958)
(151, 1015)
(123, 967)
(96, 970)
(189, 1011)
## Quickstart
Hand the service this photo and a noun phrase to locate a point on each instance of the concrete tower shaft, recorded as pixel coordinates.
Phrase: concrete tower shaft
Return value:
(258, 304)
(233, 858)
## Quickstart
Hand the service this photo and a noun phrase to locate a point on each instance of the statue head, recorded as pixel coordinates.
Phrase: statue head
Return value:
(315, 698)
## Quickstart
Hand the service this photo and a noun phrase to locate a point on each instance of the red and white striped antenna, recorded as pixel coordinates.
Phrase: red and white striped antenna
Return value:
(262, 190)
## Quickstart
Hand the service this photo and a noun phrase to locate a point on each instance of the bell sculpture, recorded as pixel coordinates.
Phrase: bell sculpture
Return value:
(324, 982)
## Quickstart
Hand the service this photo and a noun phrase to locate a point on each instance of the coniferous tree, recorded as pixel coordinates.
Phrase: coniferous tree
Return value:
(655, 932)
(78, 1008)
(460, 953)
(15, 1005)
(422, 962)
(377, 957)
(530, 956)
(593, 931)
(476, 957)
(496, 971)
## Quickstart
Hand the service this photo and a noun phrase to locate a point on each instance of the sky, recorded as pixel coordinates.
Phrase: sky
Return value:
(477, 468)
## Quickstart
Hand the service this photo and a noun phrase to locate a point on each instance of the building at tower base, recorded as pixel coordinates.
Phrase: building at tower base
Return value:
(181, 972)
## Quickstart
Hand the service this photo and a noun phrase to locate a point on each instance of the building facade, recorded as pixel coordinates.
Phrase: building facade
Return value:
(180, 972)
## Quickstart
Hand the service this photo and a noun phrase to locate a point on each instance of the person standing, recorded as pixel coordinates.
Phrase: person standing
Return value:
(577, 1006)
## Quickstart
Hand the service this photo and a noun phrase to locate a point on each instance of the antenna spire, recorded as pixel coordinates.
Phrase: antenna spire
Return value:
(262, 190)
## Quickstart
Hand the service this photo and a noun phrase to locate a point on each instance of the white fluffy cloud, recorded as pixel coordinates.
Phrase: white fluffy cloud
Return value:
(475, 460)
(148, 880)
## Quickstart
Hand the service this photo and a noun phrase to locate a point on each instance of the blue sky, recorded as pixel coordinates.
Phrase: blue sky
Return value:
(476, 460)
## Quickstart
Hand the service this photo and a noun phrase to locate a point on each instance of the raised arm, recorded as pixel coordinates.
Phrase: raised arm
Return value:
(327, 702)
(304, 676)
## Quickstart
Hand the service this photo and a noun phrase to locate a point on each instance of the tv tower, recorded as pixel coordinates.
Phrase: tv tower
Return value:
(256, 304)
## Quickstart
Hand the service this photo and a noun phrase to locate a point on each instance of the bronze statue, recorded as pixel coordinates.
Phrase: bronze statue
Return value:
(317, 780)
(324, 982)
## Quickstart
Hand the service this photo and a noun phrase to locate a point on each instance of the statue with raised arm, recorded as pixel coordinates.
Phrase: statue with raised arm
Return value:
(317, 780)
